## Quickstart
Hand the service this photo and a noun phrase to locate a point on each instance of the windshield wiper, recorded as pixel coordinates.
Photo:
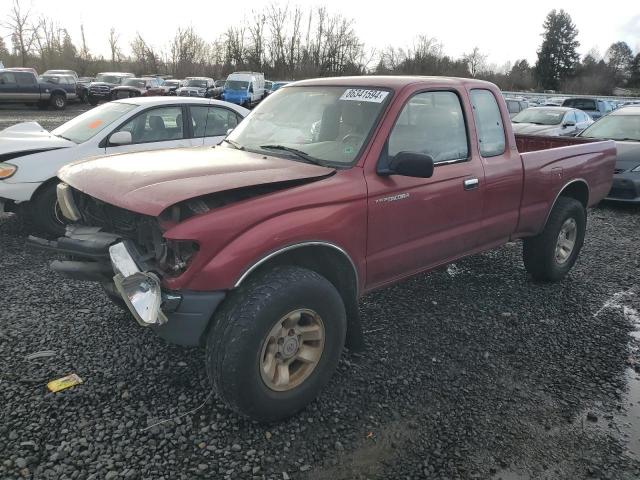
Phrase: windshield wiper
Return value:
(63, 137)
(299, 153)
(234, 144)
(627, 139)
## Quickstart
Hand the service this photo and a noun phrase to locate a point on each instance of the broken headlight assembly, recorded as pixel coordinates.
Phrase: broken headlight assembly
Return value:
(175, 255)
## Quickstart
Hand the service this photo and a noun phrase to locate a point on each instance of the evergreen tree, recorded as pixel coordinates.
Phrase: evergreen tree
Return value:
(557, 56)
(634, 79)
(619, 58)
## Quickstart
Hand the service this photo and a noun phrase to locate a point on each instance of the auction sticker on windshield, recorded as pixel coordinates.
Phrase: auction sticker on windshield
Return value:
(364, 95)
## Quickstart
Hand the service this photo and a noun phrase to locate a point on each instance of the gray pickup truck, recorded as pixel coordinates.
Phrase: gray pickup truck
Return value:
(24, 87)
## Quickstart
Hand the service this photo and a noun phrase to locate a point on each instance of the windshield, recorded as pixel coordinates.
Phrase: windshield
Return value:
(134, 82)
(539, 116)
(615, 127)
(329, 124)
(236, 85)
(109, 79)
(197, 83)
(90, 123)
(580, 103)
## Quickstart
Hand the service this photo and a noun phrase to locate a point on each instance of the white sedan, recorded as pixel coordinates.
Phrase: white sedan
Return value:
(30, 156)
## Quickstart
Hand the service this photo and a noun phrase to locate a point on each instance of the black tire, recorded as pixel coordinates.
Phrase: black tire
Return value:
(235, 341)
(45, 212)
(93, 101)
(58, 101)
(539, 252)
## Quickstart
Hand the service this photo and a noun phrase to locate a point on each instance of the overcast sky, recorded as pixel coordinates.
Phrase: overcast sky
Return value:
(504, 30)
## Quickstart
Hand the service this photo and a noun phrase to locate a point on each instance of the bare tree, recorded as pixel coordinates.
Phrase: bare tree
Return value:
(188, 53)
(23, 34)
(114, 47)
(476, 61)
(145, 55)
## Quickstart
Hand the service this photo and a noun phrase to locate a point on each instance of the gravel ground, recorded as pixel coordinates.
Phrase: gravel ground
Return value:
(48, 119)
(473, 371)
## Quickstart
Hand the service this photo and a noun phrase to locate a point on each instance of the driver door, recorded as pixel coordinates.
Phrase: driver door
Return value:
(418, 223)
(153, 129)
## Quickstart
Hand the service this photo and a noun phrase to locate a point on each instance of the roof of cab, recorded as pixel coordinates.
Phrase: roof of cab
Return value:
(394, 82)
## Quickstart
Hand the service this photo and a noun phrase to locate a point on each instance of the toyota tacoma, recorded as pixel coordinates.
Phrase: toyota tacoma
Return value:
(260, 248)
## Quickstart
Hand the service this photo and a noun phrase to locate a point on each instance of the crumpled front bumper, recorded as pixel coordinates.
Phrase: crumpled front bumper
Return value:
(183, 316)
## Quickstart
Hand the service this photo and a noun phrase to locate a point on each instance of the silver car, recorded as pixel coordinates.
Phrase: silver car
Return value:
(550, 121)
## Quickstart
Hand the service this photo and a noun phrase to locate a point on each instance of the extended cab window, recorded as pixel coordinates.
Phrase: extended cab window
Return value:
(156, 125)
(488, 123)
(212, 121)
(431, 123)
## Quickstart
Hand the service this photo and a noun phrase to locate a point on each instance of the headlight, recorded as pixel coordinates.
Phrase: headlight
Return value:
(141, 292)
(7, 170)
(637, 169)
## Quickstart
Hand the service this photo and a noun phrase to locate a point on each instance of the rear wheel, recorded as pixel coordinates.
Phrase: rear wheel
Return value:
(46, 213)
(550, 255)
(58, 101)
(93, 100)
(276, 342)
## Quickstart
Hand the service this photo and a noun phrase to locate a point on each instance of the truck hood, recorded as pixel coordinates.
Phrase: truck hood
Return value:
(149, 182)
(533, 129)
(29, 137)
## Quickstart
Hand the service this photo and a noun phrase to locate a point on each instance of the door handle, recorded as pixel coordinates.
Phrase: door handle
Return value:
(471, 183)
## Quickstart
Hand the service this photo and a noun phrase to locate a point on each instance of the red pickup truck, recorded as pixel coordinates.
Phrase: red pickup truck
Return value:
(260, 248)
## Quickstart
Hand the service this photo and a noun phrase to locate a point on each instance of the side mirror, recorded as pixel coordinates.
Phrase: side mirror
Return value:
(148, 87)
(569, 123)
(410, 164)
(120, 138)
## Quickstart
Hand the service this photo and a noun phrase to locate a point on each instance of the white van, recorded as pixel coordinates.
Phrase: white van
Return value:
(244, 88)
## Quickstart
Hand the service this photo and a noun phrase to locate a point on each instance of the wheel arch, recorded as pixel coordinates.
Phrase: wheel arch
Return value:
(577, 189)
(58, 91)
(328, 260)
(42, 186)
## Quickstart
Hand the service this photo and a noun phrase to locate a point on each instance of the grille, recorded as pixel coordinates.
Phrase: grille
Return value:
(142, 229)
(101, 89)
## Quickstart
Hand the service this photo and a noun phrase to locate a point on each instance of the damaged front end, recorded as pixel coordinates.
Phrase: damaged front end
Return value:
(127, 254)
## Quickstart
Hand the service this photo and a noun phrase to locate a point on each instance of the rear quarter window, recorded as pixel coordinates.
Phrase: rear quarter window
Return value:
(489, 124)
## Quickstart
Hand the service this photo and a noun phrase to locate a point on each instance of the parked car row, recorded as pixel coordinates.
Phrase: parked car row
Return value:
(242, 88)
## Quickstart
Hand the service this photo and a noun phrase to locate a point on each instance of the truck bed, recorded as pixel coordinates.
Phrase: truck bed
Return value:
(533, 143)
(552, 163)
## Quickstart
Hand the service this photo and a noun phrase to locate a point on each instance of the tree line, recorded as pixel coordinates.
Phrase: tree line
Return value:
(290, 42)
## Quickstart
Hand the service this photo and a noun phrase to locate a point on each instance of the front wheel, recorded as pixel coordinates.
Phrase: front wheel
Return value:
(276, 342)
(550, 255)
(46, 213)
(93, 101)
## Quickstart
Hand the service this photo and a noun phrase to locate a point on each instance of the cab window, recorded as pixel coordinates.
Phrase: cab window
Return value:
(156, 125)
(7, 78)
(431, 123)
